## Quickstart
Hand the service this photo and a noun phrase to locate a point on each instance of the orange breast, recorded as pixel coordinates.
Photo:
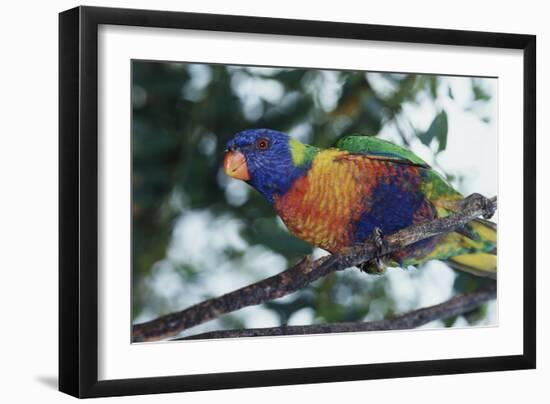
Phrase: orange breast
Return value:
(321, 206)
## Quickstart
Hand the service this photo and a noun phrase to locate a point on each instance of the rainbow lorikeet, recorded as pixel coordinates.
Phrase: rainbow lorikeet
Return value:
(337, 197)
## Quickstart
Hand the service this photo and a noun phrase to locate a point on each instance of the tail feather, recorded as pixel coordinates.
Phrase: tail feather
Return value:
(476, 256)
(479, 264)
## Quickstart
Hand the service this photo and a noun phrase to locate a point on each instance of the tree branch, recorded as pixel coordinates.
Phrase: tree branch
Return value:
(452, 307)
(308, 271)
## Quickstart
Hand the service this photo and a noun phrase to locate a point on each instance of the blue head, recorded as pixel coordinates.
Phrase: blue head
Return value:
(268, 160)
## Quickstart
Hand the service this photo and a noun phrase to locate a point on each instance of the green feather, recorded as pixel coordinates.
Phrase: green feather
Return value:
(380, 149)
(301, 153)
(435, 187)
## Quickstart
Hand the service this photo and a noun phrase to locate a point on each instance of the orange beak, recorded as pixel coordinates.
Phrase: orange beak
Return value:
(234, 164)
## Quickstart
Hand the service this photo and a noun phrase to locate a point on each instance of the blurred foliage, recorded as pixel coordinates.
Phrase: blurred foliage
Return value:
(183, 114)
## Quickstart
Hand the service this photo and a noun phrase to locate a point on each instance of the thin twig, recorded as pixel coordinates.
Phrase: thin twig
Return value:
(452, 307)
(306, 272)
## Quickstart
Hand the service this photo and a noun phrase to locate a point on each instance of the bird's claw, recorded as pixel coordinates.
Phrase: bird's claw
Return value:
(376, 265)
(377, 237)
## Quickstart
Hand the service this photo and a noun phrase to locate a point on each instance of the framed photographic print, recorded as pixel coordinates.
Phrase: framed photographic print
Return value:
(251, 201)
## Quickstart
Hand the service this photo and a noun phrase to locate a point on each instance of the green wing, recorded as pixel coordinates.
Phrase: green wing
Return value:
(374, 147)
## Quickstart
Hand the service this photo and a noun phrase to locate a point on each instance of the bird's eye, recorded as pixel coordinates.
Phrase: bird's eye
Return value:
(262, 144)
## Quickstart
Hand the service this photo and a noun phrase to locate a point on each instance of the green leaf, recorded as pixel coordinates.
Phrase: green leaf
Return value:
(479, 93)
(433, 86)
(438, 129)
(450, 92)
(442, 136)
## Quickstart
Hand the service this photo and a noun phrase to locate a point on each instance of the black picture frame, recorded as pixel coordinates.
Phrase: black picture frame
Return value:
(78, 200)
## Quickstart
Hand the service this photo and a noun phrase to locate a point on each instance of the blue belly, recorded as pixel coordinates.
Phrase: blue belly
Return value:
(389, 208)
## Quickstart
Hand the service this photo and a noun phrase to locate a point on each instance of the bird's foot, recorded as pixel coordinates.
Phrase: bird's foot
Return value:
(488, 206)
(375, 266)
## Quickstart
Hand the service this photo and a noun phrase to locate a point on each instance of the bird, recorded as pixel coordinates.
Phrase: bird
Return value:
(363, 187)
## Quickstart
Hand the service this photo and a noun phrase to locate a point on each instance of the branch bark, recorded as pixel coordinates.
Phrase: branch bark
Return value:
(308, 271)
(452, 307)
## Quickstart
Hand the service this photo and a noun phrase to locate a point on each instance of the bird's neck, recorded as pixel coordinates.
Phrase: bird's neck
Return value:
(280, 179)
(302, 154)
(279, 182)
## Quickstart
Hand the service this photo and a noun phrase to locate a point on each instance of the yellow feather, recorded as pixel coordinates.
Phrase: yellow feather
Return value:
(298, 152)
(479, 261)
